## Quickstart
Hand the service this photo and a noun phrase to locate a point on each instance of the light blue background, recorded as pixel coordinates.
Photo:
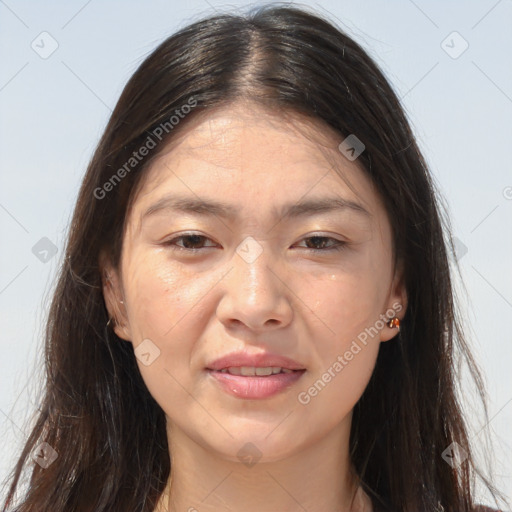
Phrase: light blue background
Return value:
(53, 111)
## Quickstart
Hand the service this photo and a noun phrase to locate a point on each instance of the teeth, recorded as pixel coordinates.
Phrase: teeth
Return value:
(251, 370)
(264, 371)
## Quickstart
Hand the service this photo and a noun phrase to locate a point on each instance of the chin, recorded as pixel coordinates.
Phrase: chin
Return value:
(252, 446)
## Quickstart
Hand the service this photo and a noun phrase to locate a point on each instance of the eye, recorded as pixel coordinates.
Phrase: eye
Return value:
(318, 240)
(190, 242)
(194, 242)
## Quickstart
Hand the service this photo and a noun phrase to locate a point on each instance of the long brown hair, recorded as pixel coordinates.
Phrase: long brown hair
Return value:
(97, 414)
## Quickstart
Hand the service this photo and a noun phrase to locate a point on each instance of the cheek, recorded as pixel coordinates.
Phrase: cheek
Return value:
(346, 352)
(348, 340)
(162, 297)
(346, 304)
(165, 303)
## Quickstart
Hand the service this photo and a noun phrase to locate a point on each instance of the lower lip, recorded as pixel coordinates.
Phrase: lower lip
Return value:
(255, 387)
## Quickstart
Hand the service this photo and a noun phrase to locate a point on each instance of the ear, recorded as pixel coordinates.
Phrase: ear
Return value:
(396, 304)
(114, 298)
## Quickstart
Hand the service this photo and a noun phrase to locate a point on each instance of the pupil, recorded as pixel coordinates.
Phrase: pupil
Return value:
(196, 239)
(318, 239)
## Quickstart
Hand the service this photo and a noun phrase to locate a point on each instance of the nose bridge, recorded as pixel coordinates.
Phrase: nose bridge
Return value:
(253, 261)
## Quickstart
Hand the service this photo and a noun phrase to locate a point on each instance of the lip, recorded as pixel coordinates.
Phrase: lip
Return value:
(254, 387)
(262, 360)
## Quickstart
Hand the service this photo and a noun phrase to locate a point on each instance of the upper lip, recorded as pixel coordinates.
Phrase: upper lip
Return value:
(263, 360)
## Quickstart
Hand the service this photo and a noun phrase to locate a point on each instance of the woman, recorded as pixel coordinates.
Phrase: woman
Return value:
(255, 311)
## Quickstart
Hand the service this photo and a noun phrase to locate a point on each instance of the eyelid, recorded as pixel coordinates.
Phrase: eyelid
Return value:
(187, 234)
(338, 244)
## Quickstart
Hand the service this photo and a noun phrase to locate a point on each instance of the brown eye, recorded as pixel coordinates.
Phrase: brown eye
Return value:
(191, 242)
(319, 243)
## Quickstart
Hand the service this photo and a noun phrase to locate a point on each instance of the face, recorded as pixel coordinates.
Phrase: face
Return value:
(259, 272)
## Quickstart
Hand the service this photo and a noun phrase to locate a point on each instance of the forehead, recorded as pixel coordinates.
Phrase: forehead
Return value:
(250, 156)
(243, 127)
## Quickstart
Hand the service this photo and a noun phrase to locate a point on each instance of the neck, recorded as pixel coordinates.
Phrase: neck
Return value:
(316, 479)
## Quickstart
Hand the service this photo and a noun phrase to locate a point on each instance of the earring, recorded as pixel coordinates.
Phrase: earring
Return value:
(394, 322)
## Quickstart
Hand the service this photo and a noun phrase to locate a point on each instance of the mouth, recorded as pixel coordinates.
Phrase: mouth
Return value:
(251, 371)
(253, 383)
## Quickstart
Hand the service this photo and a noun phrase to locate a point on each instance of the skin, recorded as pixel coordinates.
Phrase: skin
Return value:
(308, 305)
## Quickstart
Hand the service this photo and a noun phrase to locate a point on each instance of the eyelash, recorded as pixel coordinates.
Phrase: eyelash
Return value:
(340, 245)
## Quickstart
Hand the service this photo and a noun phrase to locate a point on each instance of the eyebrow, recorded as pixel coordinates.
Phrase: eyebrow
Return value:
(294, 210)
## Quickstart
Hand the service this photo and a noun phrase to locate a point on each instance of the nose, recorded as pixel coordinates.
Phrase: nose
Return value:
(254, 295)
